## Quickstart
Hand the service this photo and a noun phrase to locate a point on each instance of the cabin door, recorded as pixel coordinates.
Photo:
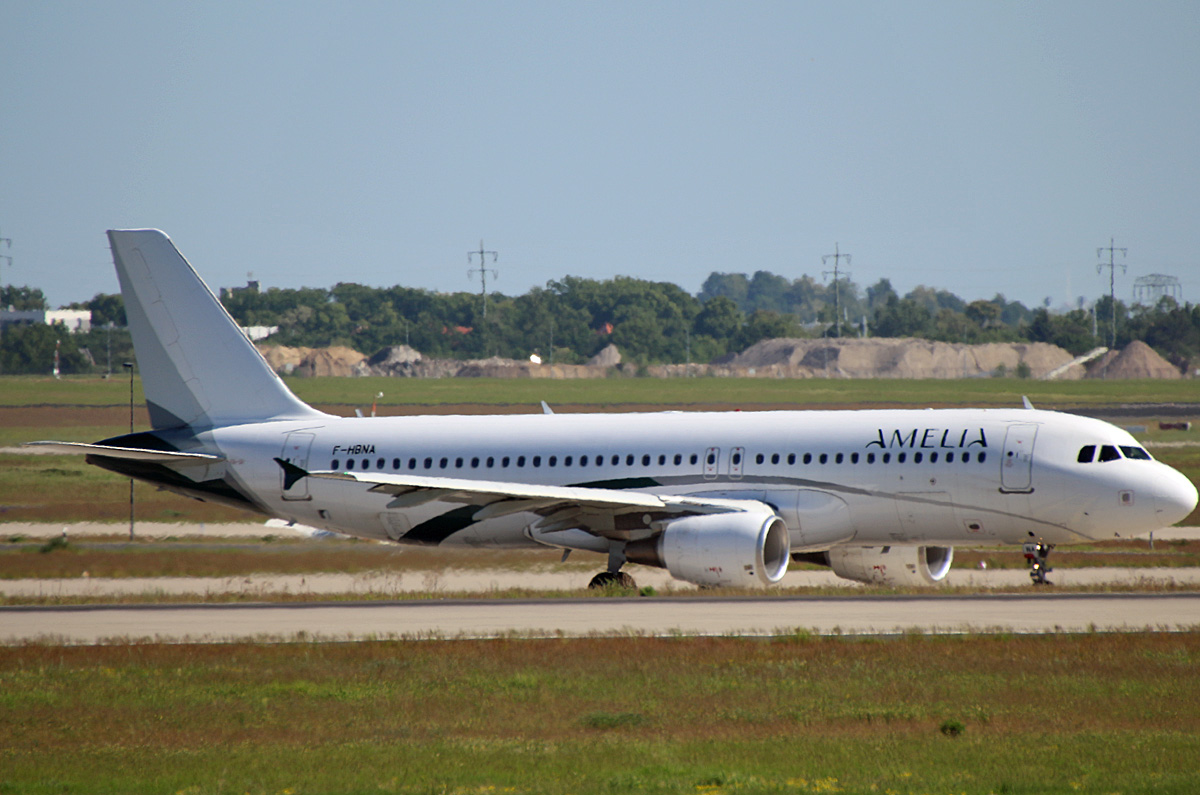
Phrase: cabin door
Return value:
(295, 451)
(1016, 466)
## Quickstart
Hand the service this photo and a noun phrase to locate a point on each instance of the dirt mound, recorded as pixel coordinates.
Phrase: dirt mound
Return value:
(337, 361)
(1137, 360)
(896, 358)
(283, 360)
(609, 357)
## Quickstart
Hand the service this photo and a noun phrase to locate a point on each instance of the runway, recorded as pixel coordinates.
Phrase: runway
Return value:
(750, 616)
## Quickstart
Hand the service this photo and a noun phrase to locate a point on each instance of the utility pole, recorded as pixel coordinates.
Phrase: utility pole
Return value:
(1112, 281)
(129, 366)
(5, 260)
(482, 270)
(837, 256)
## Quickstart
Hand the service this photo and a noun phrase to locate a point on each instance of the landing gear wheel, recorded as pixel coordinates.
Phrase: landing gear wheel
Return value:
(613, 579)
(1037, 554)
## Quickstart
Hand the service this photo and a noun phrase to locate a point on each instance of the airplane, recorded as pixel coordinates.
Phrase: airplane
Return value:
(715, 498)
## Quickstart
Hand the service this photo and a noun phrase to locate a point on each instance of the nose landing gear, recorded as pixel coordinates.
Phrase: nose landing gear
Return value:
(1036, 554)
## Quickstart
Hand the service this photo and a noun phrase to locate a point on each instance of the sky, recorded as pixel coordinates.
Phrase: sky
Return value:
(979, 147)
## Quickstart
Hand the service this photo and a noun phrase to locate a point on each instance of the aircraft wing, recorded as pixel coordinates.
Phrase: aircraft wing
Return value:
(611, 513)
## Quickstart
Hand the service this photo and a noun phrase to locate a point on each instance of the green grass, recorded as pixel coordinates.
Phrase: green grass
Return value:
(801, 393)
(1090, 714)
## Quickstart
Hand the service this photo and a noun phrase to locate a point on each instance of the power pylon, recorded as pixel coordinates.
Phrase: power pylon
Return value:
(837, 256)
(482, 270)
(1112, 282)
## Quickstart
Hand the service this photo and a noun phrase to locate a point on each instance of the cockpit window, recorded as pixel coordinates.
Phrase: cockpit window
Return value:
(1136, 453)
(1086, 453)
(1109, 453)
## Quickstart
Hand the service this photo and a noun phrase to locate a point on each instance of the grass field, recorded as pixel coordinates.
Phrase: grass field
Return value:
(63, 488)
(916, 714)
(702, 716)
(797, 393)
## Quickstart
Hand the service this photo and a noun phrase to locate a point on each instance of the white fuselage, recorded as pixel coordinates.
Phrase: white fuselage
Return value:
(947, 477)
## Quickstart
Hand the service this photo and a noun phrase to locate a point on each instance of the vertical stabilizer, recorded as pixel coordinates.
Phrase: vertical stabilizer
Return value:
(198, 368)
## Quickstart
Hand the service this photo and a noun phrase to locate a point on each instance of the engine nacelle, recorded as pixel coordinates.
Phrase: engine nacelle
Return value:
(739, 549)
(892, 565)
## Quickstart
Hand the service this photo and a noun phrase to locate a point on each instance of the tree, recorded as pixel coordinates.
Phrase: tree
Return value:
(22, 299)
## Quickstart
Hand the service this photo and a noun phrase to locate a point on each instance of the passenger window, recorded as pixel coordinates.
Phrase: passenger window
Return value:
(737, 458)
(662, 459)
(629, 460)
(1109, 453)
(583, 460)
(520, 460)
(758, 459)
(678, 459)
(567, 461)
(491, 462)
(694, 458)
(553, 461)
(443, 463)
(429, 463)
(712, 458)
(824, 458)
(616, 459)
(366, 463)
(380, 463)
(537, 461)
(1136, 453)
(917, 457)
(887, 458)
(933, 458)
(854, 458)
(475, 463)
(646, 460)
(870, 458)
(791, 458)
(808, 458)
(412, 463)
(458, 462)
(838, 458)
(334, 464)
(949, 458)
(901, 457)
(1086, 453)
(982, 457)
(775, 458)
(504, 462)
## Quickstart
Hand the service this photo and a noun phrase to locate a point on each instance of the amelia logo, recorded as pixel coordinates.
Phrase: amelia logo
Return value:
(930, 438)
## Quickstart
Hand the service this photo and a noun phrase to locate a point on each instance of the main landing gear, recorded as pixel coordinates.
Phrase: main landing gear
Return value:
(614, 577)
(1036, 554)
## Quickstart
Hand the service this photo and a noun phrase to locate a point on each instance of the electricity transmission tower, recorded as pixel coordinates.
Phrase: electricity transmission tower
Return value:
(482, 270)
(5, 260)
(1112, 281)
(837, 256)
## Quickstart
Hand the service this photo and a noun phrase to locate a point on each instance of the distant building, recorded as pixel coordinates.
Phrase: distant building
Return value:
(75, 320)
(256, 333)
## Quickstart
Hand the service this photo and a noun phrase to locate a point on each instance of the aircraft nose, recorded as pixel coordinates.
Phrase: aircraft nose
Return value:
(1175, 497)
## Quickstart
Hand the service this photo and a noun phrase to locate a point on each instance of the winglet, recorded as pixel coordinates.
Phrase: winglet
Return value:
(1025, 400)
(546, 408)
(292, 474)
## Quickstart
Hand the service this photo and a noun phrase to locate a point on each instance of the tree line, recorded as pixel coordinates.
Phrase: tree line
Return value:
(570, 320)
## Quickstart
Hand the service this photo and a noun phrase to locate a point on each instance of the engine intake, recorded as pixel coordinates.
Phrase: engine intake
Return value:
(738, 549)
(892, 565)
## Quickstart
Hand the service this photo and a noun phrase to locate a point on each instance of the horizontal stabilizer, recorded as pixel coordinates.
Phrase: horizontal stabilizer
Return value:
(127, 453)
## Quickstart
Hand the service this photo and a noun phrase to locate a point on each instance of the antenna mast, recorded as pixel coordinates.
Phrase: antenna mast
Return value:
(482, 270)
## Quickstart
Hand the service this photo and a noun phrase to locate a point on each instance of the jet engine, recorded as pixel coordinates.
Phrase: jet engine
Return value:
(892, 565)
(739, 549)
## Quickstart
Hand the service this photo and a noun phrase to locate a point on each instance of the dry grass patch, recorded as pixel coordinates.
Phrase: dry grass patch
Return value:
(604, 715)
